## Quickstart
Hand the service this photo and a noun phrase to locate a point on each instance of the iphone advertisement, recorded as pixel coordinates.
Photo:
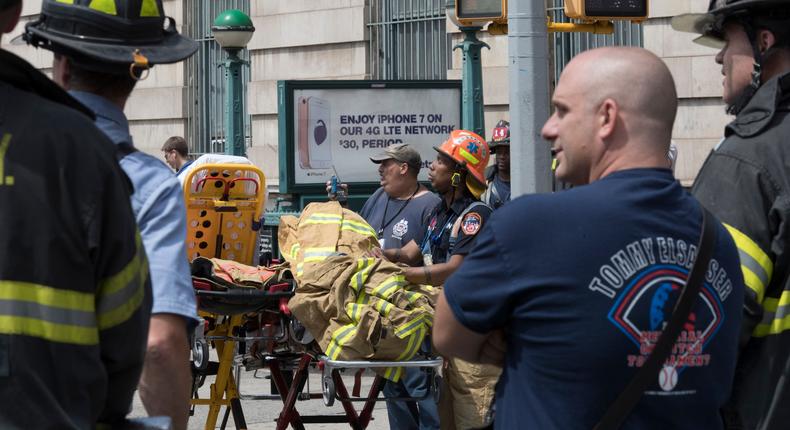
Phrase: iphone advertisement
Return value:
(337, 130)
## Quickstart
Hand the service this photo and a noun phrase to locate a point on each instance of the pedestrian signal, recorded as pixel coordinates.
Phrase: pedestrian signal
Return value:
(475, 13)
(595, 10)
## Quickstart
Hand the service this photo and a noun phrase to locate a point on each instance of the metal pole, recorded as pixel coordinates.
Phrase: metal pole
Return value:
(529, 96)
(234, 111)
(472, 81)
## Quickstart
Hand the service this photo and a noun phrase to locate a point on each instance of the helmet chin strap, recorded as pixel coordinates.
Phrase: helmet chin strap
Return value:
(757, 69)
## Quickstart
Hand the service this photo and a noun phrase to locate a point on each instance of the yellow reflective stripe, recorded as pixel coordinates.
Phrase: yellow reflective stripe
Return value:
(776, 317)
(106, 6)
(65, 1)
(295, 250)
(469, 157)
(120, 280)
(354, 310)
(389, 286)
(364, 265)
(51, 314)
(49, 331)
(754, 259)
(323, 219)
(384, 307)
(358, 227)
(121, 294)
(410, 327)
(393, 373)
(299, 269)
(47, 296)
(413, 296)
(339, 337)
(149, 8)
(318, 253)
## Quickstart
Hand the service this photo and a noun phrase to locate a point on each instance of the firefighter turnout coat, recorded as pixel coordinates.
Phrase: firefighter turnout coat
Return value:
(745, 182)
(74, 297)
(357, 307)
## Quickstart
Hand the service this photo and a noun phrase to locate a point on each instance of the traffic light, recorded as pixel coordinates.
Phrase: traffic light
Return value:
(595, 10)
(476, 13)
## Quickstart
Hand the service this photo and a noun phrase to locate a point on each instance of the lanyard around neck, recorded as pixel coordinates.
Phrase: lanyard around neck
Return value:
(385, 223)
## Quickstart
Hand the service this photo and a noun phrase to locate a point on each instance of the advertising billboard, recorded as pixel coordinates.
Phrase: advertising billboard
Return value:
(332, 128)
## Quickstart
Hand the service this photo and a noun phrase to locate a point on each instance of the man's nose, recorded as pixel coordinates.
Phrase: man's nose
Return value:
(549, 130)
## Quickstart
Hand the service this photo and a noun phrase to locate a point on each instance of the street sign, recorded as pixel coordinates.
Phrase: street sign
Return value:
(475, 13)
(596, 10)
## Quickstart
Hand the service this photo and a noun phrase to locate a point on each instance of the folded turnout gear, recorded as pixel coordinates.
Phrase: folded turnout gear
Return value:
(357, 307)
(237, 288)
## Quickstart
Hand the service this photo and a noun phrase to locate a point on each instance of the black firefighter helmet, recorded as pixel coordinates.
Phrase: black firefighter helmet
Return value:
(111, 36)
(753, 15)
(500, 136)
(710, 24)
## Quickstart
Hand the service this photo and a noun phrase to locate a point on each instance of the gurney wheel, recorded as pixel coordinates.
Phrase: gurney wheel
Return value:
(328, 390)
(200, 355)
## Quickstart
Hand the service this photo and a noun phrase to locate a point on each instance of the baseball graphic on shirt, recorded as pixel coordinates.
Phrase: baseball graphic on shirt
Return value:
(668, 378)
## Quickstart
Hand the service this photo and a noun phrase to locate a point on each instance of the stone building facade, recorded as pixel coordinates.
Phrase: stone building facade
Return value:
(329, 39)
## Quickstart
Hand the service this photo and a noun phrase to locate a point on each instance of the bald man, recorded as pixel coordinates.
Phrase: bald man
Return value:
(573, 311)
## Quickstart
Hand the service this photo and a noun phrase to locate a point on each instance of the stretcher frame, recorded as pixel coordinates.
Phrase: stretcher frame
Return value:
(222, 330)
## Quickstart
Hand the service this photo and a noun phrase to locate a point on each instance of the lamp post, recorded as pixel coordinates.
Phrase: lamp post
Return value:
(472, 117)
(233, 29)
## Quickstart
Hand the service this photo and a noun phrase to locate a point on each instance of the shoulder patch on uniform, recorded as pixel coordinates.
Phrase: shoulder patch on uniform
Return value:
(471, 223)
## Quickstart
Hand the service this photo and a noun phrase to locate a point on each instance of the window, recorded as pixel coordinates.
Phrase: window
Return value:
(408, 39)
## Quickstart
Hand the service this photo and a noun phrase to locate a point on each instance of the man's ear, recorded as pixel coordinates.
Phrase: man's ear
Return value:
(607, 118)
(10, 18)
(765, 40)
(61, 71)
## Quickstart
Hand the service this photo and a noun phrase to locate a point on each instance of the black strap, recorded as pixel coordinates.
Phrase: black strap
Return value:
(629, 397)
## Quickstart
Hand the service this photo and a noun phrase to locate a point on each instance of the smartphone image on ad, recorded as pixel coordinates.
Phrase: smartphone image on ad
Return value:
(318, 144)
(301, 134)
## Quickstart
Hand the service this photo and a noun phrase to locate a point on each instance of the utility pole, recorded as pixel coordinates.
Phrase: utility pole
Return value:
(530, 170)
(232, 30)
(472, 117)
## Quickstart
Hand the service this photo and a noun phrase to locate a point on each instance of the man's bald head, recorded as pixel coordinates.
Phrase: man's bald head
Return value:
(637, 80)
(614, 110)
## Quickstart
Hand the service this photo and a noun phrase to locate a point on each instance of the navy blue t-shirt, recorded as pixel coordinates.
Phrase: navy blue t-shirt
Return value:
(398, 221)
(582, 282)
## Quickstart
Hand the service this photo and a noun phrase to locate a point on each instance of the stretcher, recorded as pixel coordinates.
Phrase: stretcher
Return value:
(252, 328)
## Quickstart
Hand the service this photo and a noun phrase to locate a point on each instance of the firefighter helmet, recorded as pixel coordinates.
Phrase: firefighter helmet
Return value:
(710, 24)
(469, 151)
(773, 15)
(500, 136)
(109, 35)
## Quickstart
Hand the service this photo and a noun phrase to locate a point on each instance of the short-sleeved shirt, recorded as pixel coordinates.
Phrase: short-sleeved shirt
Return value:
(442, 240)
(582, 283)
(398, 221)
(158, 205)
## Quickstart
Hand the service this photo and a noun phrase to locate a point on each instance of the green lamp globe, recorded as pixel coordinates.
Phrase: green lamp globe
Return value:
(232, 29)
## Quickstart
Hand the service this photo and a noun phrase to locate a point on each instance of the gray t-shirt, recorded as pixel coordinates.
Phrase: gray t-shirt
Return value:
(398, 221)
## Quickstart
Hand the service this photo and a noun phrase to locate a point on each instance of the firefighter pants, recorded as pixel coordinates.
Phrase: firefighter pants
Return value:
(467, 393)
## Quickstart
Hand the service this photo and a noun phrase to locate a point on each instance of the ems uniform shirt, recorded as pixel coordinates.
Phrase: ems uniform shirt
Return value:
(448, 235)
(582, 283)
(160, 212)
(397, 222)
